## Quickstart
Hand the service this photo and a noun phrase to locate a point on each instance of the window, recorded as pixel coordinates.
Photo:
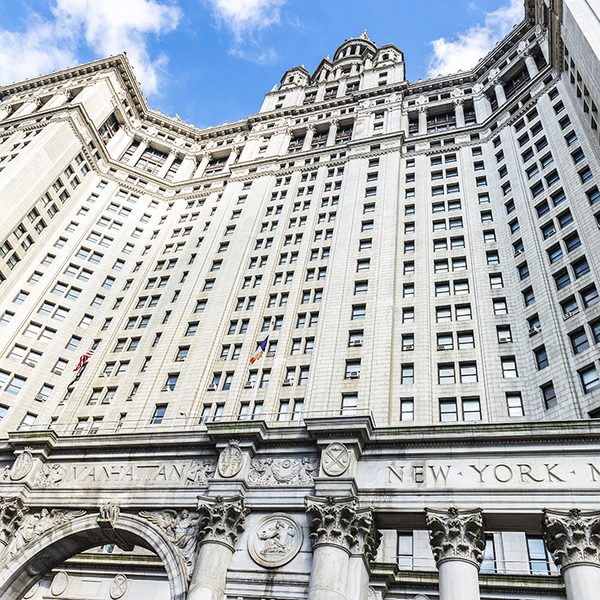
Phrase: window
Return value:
(589, 296)
(561, 279)
(407, 413)
(448, 410)
(349, 404)
(471, 409)
(589, 378)
(509, 367)
(538, 560)
(15, 386)
(500, 307)
(465, 340)
(579, 341)
(159, 414)
(446, 374)
(514, 403)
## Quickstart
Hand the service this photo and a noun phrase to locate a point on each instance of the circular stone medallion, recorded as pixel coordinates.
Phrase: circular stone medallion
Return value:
(60, 583)
(275, 540)
(21, 466)
(230, 461)
(118, 587)
(336, 459)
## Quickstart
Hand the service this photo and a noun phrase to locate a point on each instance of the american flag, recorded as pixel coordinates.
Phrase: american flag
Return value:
(85, 357)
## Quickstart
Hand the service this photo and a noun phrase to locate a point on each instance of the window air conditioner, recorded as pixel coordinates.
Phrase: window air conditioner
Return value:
(354, 375)
(518, 252)
(129, 398)
(504, 340)
(407, 348)
(180, 359)
(30, 364)
(249, 385)
(102, 375)
(272, 353)
(287, 382)
(40, 398)
(442, 347)
(551, 232)
(535, 329)
(568, 315)
(356, 343)
(57, 372)
(212, 387)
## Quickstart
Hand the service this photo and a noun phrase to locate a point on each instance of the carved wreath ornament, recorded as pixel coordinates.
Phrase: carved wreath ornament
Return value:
(456, 534)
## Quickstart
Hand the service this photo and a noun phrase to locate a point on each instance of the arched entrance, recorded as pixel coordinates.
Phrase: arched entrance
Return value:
(20, 571)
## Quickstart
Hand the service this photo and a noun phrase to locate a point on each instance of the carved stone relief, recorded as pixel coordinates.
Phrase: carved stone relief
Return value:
(456, 534)
(231, 460)
(35, 524)
(118, 586)
(200, 472)
(12, 513)
(50, 476)
(181, 528)
(108, 514)
(22, 465)
(573, 536)
(275, 540)
(335, 459)
(279, 471)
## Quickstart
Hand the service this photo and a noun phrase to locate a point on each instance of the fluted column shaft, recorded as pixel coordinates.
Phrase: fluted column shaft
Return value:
(422, 120)
(532, 68)
(332, 132)
(500, 94)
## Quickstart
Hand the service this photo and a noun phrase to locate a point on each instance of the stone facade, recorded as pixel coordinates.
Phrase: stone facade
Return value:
(424, 260)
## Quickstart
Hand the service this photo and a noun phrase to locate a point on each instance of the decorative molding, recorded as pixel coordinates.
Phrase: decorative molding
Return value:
(182, 529)
(572, 536)
(283, 471)
(456, 533)
(118, 586)
(339, 522)
(222, 519)
(36, 524)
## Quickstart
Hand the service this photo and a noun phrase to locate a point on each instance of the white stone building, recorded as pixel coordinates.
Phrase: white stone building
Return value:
(424, 258)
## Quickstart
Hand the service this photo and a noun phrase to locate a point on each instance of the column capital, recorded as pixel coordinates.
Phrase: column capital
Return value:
(222, 519)
(423, 109)
(456, 534)
(339, 522)
(7, 108)
(572, 536)
(458, 101)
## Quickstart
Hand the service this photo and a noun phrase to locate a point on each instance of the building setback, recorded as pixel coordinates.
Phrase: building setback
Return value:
(422, 260)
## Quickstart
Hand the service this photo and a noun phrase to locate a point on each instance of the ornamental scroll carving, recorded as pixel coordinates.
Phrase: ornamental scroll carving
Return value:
(572, 536)
(280, 471)
(182, 529)
(222, 519)
(36, 524)
(456, 534)
(340, 522)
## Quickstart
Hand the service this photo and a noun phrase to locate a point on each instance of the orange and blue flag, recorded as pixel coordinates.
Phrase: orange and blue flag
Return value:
(259, 351)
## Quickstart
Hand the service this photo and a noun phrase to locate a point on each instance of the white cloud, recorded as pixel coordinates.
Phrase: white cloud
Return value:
(240, 16)
(450, 56)
(36, 51)
(246, 19)
(105, 26)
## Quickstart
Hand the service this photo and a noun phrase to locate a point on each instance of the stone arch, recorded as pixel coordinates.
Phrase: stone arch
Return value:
(51, 549)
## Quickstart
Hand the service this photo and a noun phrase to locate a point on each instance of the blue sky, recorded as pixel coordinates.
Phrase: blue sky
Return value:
(211, 61)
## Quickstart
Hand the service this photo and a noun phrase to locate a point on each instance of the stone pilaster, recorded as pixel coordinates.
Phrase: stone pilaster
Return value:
(222, 521)
(339, 529)
(573, 538)
(457, 540)
(422, 120)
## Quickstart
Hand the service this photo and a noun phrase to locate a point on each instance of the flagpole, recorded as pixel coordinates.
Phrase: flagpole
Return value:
(256, 384)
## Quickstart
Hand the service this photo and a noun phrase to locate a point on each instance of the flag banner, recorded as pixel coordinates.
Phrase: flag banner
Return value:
(259, 351)
(85, 357)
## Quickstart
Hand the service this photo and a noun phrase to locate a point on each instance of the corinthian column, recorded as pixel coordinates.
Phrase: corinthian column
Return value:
(457, 541)
(573, 537)
(339, 529)
(223, 520)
